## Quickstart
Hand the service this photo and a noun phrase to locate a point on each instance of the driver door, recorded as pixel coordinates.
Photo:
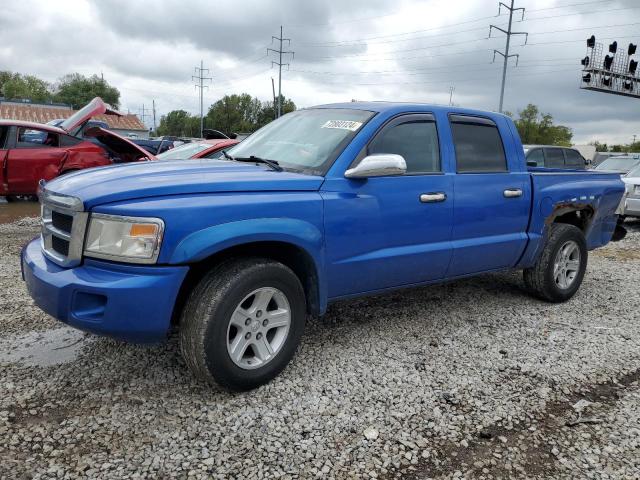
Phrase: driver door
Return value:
(386, 232)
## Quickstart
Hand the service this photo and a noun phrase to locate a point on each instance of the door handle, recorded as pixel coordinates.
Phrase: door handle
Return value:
(513, 192)
(433, 197)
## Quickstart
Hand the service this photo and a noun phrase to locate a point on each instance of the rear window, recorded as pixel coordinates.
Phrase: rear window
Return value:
(478, 145)
(555, 157)
(574, 159)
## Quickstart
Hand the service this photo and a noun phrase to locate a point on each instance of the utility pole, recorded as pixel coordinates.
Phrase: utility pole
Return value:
(143, 114)
(280, 52)
(506, 55)
(273, 88)
(153, 102)
(451, 90)
(200, 72)
(634, 138)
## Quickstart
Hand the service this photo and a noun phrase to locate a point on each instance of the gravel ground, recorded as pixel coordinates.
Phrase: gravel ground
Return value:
(472, 379)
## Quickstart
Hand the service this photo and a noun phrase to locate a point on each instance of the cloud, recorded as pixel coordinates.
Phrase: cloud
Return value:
(410, 50)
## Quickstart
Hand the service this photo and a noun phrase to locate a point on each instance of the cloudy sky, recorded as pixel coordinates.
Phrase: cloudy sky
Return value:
(408, 50)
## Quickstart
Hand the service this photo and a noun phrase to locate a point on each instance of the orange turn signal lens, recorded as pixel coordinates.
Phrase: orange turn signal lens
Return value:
(143, 230)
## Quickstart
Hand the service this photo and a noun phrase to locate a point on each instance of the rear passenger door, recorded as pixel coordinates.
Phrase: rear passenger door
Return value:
(492, 197)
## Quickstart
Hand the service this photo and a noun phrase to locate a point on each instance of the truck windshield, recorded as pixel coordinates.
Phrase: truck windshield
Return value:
(306, 140)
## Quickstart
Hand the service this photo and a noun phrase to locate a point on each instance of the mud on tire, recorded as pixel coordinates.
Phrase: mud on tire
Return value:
(542, 279)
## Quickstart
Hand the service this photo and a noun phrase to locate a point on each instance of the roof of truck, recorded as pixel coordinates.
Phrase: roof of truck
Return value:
(381, 107)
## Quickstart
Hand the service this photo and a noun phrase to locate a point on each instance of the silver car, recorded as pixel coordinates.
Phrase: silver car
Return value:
(630, 205)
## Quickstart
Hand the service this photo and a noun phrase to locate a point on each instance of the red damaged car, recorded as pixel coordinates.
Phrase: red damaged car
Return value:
(33, 151)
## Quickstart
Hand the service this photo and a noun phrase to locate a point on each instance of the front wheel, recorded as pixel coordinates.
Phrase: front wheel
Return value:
(560, 268)
(243, 322)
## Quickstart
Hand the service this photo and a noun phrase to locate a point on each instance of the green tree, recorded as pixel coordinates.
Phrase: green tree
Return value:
(77, 90)
(242, 113)
(15, 85)
(268, 111)
(600, 147)
(535, 127)
(179, 123)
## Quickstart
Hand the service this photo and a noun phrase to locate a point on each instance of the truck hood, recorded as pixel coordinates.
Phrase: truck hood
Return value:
(181, 177)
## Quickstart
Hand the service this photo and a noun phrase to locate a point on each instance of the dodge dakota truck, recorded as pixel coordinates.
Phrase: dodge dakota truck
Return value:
(325, 203)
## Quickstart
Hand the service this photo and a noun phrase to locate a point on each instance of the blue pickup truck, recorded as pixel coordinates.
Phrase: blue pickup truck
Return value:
(323, 204)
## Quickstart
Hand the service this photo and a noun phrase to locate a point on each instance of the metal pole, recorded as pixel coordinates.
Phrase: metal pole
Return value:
(154, 116)
(506, 58)
(280, 77)
(201, 98)
(273, 87)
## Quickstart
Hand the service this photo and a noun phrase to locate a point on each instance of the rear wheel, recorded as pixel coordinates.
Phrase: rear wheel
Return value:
(243, 322)
(560, 268)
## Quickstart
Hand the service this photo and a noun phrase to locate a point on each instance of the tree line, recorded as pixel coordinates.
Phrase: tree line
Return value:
(73, 89)
(231, 114)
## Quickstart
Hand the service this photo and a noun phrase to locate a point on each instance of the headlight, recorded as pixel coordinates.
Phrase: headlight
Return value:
(125, 239)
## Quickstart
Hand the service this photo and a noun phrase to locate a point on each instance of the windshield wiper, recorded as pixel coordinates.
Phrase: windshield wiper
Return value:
(272, 163)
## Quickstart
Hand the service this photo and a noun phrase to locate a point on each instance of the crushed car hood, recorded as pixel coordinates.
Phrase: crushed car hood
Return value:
(115, 183)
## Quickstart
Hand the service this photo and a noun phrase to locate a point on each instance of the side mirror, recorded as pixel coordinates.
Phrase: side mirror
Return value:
(532, 163)
(382, 165)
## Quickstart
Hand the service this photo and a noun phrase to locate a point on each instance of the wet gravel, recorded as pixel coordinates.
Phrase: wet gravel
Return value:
(472, 379)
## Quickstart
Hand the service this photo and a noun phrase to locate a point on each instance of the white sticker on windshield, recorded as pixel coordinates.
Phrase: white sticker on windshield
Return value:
(343, 124)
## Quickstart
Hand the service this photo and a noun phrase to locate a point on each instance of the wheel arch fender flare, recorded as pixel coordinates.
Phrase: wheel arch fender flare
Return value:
(204, 243)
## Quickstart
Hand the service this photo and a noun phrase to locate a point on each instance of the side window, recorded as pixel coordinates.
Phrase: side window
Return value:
(574, 159)
(69, 141)
(478, 145)
(215, 153)
(34, 138)
(3, 136)
(537, 156)
(415, 139)
(555, 157)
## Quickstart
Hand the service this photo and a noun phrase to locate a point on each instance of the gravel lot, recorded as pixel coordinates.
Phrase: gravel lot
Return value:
(472, 379)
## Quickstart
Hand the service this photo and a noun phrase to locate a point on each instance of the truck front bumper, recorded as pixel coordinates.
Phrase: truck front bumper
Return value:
(128, 302)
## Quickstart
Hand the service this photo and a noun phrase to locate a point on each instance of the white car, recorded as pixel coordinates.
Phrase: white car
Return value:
(630, 206)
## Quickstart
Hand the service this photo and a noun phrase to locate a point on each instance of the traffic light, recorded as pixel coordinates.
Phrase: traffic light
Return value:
(585, 61)
(613, 47)
(591, 41)
(632, 49)
(608, 61)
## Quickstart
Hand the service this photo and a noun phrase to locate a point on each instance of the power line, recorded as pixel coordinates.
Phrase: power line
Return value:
(505, 55)
(200, 76)
(280, 52)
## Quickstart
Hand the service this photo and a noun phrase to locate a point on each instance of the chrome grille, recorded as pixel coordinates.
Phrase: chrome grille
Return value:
(63, 228)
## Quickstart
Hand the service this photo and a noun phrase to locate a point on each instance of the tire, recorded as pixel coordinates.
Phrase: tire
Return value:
(543, 280)
(227, 307)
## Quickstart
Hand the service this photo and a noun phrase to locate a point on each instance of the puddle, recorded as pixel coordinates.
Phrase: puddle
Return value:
(15, 210)
(43, 349)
